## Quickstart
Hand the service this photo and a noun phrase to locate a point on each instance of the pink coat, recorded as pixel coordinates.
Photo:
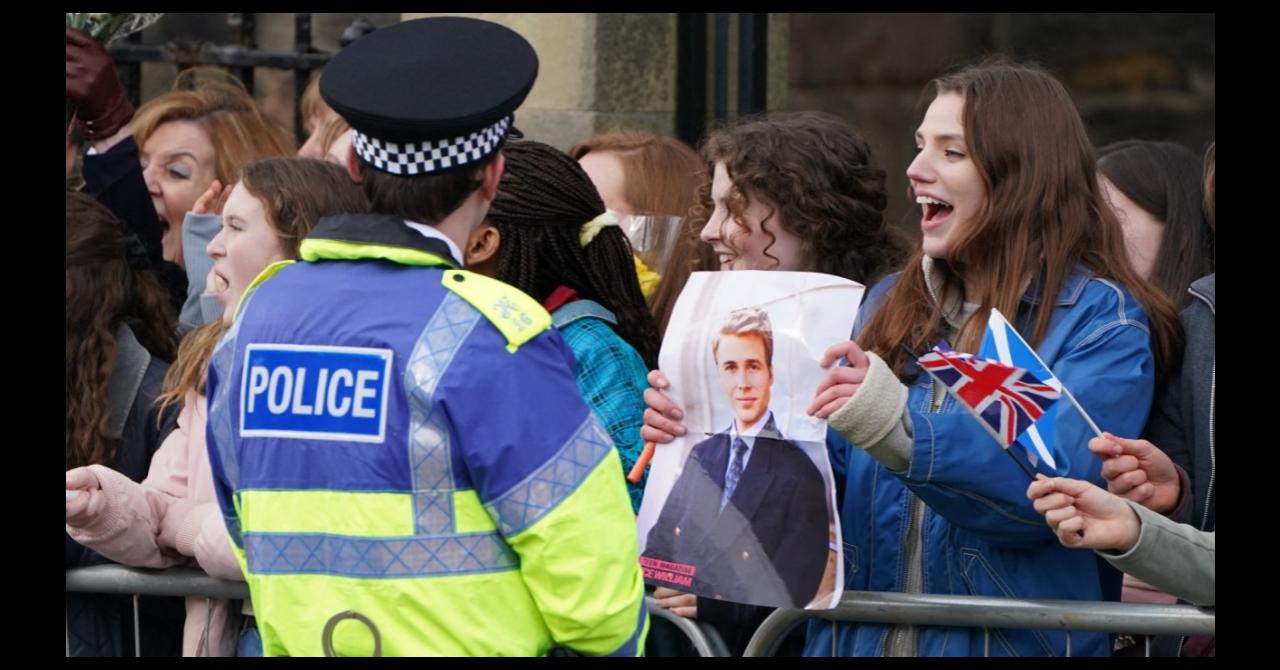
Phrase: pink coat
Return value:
(170, 519)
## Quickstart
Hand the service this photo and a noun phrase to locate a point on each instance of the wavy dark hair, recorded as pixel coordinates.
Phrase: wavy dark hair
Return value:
(1044, 214)
(543, 199)
(1166, 180)
(104, 291)
(820, 182)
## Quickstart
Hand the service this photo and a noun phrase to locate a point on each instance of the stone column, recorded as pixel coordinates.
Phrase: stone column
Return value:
(603, 71)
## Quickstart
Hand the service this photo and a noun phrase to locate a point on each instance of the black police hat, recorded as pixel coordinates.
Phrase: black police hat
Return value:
(430, 95)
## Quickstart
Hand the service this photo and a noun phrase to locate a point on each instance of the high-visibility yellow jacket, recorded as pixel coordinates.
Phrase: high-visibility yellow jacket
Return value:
(395, 437)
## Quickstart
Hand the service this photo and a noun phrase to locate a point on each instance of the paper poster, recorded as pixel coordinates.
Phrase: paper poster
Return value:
(743, 507)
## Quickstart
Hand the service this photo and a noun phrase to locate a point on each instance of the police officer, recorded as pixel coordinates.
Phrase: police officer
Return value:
(393, 436)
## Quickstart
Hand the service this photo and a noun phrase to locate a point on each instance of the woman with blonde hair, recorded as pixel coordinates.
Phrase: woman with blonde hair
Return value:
(172, 517)
(151, 167)
(192, 139)
(328, 135)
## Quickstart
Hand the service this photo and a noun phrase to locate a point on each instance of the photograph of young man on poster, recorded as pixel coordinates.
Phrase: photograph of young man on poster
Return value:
(748, 515)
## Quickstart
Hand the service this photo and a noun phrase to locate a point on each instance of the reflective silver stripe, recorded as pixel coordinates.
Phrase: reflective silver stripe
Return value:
(300, 553)
(219, 417)
(429, 447)
(530, 500)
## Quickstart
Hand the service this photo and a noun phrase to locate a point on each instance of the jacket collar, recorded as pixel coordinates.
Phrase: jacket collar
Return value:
(1205, 288)
(132, 360)
(945, 294)
(582, 309)
(952, 300)
(380, 230)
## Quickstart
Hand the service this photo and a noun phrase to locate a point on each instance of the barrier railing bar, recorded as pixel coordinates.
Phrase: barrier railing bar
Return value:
(706, 641)
(172, 582)
(991, 612)
(137, 630)
(121, 580)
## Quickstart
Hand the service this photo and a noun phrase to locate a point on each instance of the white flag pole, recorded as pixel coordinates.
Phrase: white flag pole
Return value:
(1053, 378)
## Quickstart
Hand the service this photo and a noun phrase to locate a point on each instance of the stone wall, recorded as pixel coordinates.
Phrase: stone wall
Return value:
(1148, 76)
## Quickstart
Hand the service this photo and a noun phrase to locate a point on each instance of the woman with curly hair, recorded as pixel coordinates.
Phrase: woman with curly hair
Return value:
(120, 336)
(797, 192)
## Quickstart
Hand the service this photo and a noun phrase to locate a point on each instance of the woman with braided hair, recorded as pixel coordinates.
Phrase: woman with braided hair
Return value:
(549, 235)
(641, 173)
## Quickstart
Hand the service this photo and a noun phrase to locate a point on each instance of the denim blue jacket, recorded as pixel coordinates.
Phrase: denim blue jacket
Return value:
(981, 535)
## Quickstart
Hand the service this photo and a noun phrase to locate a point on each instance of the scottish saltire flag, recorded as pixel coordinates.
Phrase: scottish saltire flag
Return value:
(1006, 400)
(1003, 343)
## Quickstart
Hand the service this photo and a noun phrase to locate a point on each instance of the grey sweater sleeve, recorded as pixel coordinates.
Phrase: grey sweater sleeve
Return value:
(1173, 557)
(197, 230)
(876, 417)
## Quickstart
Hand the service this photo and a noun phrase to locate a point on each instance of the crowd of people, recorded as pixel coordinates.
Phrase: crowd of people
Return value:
(405, 369)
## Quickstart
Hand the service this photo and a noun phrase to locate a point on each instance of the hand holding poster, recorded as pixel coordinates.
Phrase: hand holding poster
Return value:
(743, 507)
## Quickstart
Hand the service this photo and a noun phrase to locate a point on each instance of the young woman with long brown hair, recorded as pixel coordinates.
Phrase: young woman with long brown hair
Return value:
(1014, 219)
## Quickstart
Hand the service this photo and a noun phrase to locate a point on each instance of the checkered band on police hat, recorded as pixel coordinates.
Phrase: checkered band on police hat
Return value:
(416, 158)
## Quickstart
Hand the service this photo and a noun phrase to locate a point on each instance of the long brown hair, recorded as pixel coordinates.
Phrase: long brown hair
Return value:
(1044, 214)
(821, 183)
(1166, 180)
(105, 289)
(1210, 186)
(219, 104)
(295, 193)
(661, 176)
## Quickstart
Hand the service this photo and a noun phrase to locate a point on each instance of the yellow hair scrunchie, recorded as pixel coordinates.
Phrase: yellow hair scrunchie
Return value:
(648, 278)
(593, 227)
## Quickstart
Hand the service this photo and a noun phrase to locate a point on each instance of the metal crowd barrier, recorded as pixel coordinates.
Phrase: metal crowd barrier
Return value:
(706, 641)
(989, 612)
(189, 582)
(121, 580)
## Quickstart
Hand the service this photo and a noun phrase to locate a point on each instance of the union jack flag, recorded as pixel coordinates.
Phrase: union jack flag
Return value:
(1006, 400)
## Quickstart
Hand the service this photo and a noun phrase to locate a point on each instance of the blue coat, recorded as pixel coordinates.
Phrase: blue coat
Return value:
(981, 535)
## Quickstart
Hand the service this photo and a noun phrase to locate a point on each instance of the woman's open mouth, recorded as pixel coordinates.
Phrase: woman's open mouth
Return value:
(935, 211)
